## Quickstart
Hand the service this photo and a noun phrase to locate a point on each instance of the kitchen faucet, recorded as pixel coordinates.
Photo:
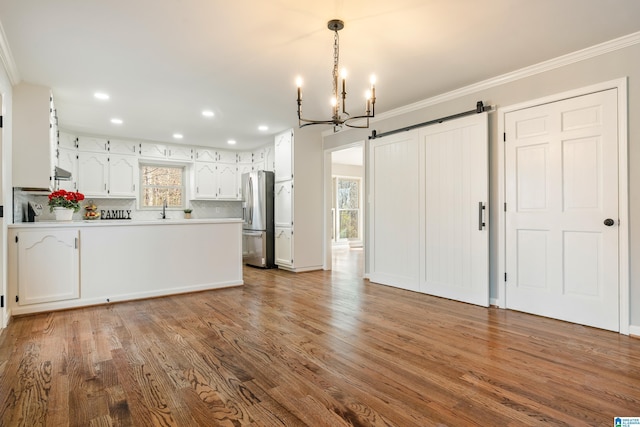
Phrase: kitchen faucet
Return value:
(164, 209)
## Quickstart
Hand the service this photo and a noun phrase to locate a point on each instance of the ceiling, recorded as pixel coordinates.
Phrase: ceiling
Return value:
(163, 61)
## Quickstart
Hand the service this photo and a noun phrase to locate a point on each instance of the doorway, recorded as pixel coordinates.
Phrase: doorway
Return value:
(344, 199)
(565, 235)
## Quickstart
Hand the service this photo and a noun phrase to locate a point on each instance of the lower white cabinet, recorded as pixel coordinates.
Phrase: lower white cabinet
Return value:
(48, 266)
(283, 247)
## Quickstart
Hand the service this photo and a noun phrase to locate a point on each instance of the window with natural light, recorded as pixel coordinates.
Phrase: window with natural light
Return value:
(160, 183)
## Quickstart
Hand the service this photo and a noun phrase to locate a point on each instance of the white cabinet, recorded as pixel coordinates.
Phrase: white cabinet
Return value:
(226, 177)
(152, 151)
(34, 136)
(39, 253)
(283, 247)
(68, 160)
(242, 169)
(105, 175)
(117, 146)
(283, 204)
(244, 157)
(269, 157)
(92, 144)
(68, 141)
(205, 155)
(176, 152)
(93, 174)
(284, 156)
(226, 156)
(123, 175)
(205, 180)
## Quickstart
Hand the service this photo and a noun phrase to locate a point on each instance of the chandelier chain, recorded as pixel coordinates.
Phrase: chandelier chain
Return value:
(336, 61)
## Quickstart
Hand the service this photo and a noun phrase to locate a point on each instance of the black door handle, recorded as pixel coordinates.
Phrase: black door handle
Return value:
(609, 222)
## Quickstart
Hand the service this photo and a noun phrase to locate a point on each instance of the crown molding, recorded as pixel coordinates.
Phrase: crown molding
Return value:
(6, 58)
(552, 64)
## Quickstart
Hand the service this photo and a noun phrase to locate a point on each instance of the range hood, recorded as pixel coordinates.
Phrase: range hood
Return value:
(61, 174)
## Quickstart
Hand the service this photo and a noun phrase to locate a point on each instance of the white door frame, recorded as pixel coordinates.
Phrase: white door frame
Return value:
(623, 190)
(328, 199)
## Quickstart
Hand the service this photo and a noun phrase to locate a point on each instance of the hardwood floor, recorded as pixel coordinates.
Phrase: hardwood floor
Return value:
(319, 349)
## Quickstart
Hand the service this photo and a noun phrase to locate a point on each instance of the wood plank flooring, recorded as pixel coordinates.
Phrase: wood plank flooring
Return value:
(317, 349)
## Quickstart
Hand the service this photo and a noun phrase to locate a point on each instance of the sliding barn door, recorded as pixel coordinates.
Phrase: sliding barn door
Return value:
(395, 211)
(429, 194)
(455, 202)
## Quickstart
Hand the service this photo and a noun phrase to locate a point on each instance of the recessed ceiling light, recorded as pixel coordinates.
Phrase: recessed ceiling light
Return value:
(116, 121)
(231, 142)
(208, 113)
(101, 95)
(263, 128)
(177, 135)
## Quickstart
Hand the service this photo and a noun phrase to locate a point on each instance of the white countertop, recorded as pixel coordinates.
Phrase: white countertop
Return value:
(122, 222)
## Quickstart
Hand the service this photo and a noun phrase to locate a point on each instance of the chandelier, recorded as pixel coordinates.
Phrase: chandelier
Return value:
(338, 101)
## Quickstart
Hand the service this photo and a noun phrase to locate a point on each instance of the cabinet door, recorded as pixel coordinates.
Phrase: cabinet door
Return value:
(40, 252)
(242, 169)
(284, 155)
(269, 158)
(68, 160)
(283, 247)
(123, 147)
(244, 157)
(205, 180)
(153, 151)
(66, 140)
(204, 155)
(180, 153)
(283, 203)
(96, 145)
(123, 175)
(226, 157)
(226, 174)
(93, 174)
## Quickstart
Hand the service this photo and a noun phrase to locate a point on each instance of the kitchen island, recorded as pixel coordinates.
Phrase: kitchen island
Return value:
(58, 265)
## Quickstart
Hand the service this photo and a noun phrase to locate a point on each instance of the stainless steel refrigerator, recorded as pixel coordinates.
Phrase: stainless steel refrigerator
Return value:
(258, 227)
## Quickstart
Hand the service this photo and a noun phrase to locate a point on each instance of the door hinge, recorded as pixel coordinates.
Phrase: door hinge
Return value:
(504, 137)
(0, 121)
(1, 301)
(16, 239)
(505, 206)
(17, 298)
(505, 277)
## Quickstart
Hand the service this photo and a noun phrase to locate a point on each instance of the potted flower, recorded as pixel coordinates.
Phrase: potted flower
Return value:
(64, 203)
(187, 213)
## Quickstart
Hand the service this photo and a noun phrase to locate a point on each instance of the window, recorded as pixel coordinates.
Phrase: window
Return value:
(348, 203)
(159, 183)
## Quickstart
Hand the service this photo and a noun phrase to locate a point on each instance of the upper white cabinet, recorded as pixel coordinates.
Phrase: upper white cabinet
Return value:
(176, 152)
(68, 160)
(226, 156)
(68, 141)
(205, 180)
(105, 175)
(34, 136)
(284, 156)
(226, 177)
(269, 157)
(39, 252)
(117, 146)
(245, 157)
(153, 151)
(205, 155)
(167, 152)
(92, 144)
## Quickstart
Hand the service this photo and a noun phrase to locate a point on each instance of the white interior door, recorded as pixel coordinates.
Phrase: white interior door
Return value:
(455, 203)
(561, 174)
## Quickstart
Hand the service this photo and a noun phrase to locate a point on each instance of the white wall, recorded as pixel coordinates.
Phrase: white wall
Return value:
(554, 78)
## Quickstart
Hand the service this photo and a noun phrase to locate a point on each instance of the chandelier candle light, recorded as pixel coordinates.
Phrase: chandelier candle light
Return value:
(337, 120)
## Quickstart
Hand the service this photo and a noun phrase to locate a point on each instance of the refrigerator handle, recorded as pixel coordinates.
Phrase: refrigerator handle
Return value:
(250, 200)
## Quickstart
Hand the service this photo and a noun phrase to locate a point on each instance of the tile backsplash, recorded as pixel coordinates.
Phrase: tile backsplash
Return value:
(201, 208)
